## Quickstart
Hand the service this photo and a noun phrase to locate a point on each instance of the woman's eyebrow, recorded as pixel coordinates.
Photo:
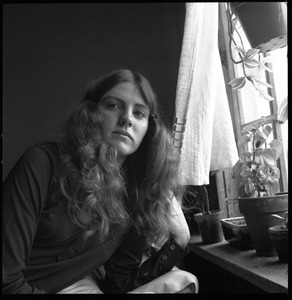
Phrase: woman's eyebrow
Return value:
(142, 106)
(139, 105)
(111, 97)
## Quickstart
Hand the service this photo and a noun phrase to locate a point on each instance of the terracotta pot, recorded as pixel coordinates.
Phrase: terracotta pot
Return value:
(236, 233)
(279, 237)
(264, 23)
(210, 226)
(258, 216)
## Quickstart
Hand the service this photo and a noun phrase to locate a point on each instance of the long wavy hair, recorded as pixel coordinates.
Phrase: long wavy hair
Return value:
(100, 193)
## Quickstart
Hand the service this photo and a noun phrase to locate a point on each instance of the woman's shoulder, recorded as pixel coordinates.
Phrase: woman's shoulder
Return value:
(37, 162)
(41, 153)
(47, 146)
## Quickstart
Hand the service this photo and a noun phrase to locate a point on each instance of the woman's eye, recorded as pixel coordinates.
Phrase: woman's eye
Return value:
(139, 114)
(113, 106)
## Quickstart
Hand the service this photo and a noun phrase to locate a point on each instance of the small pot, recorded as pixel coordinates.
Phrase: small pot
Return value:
(210, 226)
(279, 237)
(264, 23)
(236, 233)
(258, 216)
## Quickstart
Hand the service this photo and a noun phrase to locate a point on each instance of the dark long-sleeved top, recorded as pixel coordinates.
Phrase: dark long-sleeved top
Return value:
(43, 251)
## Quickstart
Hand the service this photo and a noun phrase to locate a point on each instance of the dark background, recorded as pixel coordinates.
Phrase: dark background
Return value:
(50, 51)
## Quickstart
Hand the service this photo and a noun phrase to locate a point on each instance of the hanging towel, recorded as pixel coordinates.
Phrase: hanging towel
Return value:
(207, 143)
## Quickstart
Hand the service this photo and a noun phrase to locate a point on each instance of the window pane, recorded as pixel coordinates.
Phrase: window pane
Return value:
(252, 105)
(280, 73)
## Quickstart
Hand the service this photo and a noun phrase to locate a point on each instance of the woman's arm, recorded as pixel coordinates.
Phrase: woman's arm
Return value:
(123, 270)
(24, 195)
(179, 227)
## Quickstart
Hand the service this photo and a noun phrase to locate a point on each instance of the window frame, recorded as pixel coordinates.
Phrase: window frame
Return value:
(226, 185)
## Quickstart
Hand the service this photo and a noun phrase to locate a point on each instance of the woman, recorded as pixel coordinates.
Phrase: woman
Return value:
(80, 214)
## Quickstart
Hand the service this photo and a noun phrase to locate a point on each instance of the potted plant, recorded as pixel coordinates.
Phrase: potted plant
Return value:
(208, 220)
(279, 237)
(264, 23)
(257, 177)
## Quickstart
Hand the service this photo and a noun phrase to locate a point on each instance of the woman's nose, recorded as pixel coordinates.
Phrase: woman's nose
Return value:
(126, 119)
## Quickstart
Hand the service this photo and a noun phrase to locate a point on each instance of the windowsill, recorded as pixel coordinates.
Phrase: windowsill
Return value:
(267, 273)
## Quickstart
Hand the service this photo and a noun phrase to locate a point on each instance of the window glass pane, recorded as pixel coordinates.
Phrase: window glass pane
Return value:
(280, 73)
(252, 105)
(284, 129)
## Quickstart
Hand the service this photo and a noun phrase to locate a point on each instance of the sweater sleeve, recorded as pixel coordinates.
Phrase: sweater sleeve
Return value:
(124, 271)
(24, 194)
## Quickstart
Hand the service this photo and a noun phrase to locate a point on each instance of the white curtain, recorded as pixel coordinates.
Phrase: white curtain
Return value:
(203, 126)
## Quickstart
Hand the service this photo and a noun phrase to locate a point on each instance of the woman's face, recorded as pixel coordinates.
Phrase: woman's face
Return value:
(124, 118)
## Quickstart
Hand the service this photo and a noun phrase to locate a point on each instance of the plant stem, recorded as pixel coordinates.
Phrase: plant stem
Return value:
(231, 29)
(205, 198)
(253, 146)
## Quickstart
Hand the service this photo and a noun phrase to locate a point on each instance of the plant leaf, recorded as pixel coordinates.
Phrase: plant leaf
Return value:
(251, 63)
(261, 135)
(237, 83)
(243, 140)
(262, 83)
(259, 139)
(276, 147)
(251, 127)
(236, 168)
(240, 50)
(272, 185)
(282, 114)
(245, 173)
(283, 117)
(251, 53)
(275, 172)
(265, 67)
(259, 158)
(247, 155)
(268, 157)
(265, 95)
(267, 130)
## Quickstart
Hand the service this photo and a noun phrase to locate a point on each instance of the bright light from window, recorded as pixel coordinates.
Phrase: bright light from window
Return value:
(280, 72)
(252, 105)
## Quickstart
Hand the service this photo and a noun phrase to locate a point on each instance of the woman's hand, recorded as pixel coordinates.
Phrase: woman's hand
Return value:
(179, 227)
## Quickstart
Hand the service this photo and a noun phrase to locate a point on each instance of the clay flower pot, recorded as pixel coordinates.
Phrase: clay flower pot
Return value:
(210, 226)
(258, 216)
(279, 237)
(264, 23)
(236, 233)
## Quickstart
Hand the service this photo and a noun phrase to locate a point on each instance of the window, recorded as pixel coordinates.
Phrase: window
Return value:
(251, 106)
(247, 106)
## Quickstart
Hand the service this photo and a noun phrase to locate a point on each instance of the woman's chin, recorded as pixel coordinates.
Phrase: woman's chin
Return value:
(123, 152)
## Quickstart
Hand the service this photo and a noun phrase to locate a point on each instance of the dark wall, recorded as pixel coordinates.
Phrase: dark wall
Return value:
(50, 51)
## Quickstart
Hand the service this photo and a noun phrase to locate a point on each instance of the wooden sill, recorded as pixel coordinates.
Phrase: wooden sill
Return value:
(267, 273)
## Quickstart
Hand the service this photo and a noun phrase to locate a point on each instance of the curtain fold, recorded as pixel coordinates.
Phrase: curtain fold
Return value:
(203, 127)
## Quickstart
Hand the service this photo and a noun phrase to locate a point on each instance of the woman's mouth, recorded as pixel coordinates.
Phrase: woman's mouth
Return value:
(123, 134)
